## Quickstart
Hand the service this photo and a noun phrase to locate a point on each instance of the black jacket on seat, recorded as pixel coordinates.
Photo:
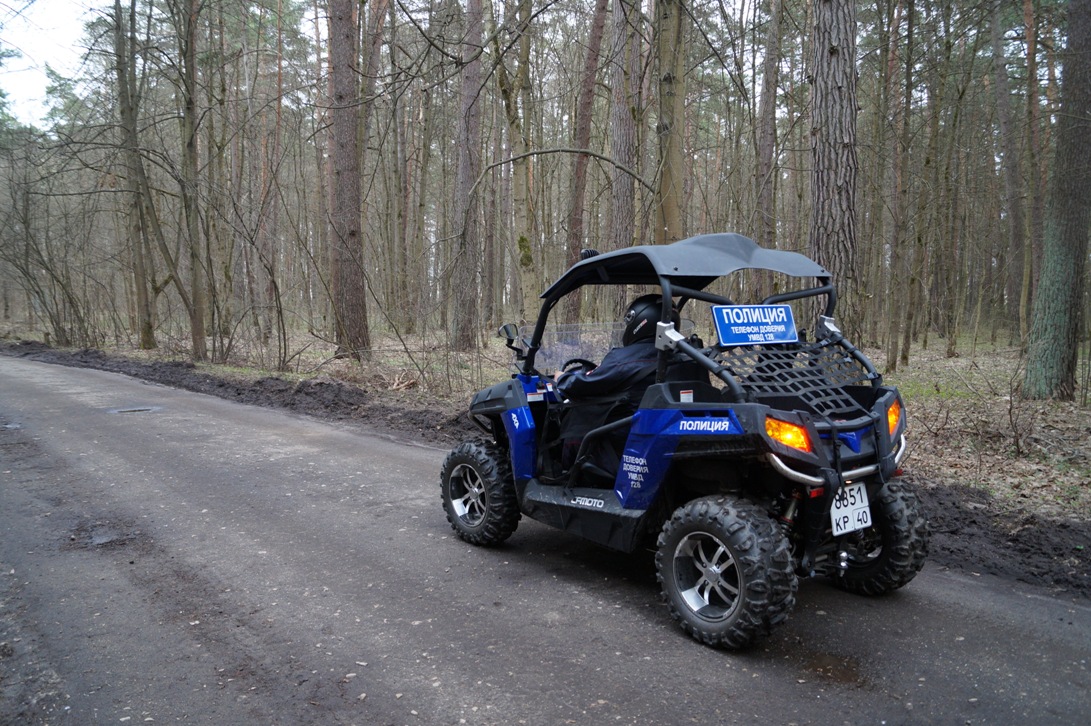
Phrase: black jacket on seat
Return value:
(608, 393)
(622, 369)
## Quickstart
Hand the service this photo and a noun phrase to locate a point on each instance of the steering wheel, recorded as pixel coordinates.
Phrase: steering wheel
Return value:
(583, 363)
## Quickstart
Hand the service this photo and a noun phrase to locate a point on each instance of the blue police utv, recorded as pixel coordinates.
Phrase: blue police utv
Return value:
(769, 455)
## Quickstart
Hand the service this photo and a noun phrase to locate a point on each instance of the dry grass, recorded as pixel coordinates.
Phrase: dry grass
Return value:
(969, 425)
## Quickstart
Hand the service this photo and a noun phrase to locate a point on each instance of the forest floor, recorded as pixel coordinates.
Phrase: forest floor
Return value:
(1006, 483)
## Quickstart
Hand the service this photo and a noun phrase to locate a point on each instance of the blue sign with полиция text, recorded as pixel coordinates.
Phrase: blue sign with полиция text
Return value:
(754, 324)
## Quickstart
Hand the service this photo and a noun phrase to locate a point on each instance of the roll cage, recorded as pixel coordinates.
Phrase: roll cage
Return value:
(683, 270)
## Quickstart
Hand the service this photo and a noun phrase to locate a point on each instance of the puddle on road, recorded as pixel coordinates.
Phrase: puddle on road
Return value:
(92, 535)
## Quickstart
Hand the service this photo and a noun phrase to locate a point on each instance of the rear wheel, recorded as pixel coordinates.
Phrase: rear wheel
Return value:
(891, 552)
(479, 493)
(726, 571)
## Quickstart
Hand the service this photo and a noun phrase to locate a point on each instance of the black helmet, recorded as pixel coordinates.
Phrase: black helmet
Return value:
(641, 317)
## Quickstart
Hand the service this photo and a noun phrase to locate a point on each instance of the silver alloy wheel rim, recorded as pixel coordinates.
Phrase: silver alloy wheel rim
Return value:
(707, 576)
(468, 495)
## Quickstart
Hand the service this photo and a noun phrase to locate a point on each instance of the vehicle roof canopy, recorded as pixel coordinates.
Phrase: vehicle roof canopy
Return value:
(694, 262)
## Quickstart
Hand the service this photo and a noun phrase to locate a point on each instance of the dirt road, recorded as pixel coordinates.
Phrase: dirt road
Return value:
(170, 557)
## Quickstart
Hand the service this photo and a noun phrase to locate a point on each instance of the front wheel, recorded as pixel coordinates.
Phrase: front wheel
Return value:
(479, 493)
(891, 552)
(726, 571)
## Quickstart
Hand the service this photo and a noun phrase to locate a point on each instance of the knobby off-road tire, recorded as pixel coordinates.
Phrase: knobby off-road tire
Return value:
(891, 552)
(726, 571)
(479, 493)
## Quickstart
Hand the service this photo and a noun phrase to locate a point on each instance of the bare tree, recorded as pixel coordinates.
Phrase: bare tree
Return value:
(467, 261)
(513, 85)
(188, 13)
(124, 32)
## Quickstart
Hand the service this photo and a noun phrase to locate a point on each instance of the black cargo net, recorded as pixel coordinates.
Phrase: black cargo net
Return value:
(804, 375)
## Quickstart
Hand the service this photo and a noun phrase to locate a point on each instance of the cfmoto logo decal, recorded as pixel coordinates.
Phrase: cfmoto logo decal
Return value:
(589, 502)
(514, 420)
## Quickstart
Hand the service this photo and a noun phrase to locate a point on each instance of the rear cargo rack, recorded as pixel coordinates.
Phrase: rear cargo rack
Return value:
(814, 376)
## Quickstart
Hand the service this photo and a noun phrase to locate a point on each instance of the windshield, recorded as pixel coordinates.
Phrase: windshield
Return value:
(564, 341)
(590, 341)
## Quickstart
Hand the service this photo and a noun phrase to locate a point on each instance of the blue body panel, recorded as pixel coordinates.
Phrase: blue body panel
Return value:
(652, 440)
(520, 426)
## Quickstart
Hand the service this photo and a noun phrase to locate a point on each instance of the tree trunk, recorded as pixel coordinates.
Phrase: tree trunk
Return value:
(188, 42)
(348, 287)
(419, 294)
(1058, 303)
(401, 312)
(896, 229)
(466, 266)
(124, 65)
(625, 109)
(923, 236)
(671, 56)
(320, 248)
(833, 151)
(128, 99)
(1011, 164)
(372, 54)
(1036, 171)
(764, 177)
(512, 87)
(220, 266)
(581, 139)
(902, 225)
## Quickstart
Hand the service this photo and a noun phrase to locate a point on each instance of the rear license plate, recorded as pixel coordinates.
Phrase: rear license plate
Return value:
(850, 510)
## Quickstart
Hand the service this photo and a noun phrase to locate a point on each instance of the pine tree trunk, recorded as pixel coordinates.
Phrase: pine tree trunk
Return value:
(767, 131)
(896, 228)
(1058, 304)
(581, 139)
(625, 109)
(347, 275)
(671, 56)
(1010, 163)
(833, 152)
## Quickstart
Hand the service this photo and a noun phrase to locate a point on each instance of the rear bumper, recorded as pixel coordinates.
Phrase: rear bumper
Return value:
(890, 462)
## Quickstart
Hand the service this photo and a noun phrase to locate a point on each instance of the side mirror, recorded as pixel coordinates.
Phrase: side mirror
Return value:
(508, 331)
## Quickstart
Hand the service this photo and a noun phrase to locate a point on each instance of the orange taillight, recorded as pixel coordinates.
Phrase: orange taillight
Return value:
(789, 434)
(894, 417)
